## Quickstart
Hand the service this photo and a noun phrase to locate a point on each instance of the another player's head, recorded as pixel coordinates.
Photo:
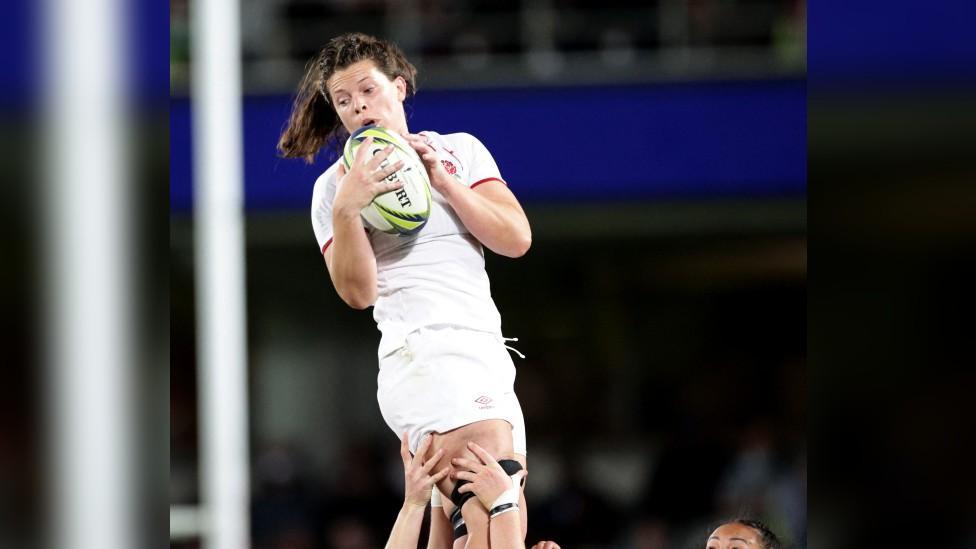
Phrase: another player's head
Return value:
(353, 81)
(743, 534)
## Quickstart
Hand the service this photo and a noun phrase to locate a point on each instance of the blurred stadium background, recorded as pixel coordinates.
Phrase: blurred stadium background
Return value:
(659, 150)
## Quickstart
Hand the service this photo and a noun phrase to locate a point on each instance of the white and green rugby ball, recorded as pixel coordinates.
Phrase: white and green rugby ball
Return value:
(402, 211)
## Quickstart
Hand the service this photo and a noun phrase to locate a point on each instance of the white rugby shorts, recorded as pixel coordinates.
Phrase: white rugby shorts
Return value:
(446, 377)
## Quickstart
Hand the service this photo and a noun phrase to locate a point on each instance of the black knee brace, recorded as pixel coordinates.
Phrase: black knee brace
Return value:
(511, 467)
(459, 499)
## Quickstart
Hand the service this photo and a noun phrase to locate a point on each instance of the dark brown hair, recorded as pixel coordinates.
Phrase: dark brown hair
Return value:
(768, 539)
(313, 121)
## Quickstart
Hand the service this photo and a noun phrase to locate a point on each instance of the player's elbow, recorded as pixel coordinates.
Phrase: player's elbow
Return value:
(359, 303)
(521, 244)
(358, 298)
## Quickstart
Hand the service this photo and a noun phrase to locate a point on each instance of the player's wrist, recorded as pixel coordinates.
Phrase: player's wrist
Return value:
(501, 509)
(508, 496)
(445, 184)
(411, 504)
(346, 212)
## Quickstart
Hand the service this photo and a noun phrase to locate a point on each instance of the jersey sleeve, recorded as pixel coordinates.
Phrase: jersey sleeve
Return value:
(322, 196)
(482, 165)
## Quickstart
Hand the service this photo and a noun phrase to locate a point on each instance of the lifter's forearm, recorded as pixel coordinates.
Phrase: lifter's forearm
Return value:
(441, 534)
(406, 529)
(505, 531)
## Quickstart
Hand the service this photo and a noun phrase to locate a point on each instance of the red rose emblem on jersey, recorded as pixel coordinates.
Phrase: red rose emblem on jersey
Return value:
(449, 166)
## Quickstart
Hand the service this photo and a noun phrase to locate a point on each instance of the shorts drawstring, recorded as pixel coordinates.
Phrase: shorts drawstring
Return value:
(513, 349)
(405, 351)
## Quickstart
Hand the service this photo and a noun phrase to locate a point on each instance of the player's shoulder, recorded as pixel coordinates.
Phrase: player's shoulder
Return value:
(327, 178)
(323, 192)
(455, 140)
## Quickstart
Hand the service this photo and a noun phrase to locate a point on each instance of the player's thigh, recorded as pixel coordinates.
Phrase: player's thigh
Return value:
(494, 435)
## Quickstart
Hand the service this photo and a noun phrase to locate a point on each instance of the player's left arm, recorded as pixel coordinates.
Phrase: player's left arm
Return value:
(492, 214)
(489, 210)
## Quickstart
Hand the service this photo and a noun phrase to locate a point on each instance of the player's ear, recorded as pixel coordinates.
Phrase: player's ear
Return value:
(401, 86)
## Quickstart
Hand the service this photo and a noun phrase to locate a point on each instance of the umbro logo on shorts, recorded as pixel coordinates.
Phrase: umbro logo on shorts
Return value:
(484, 402)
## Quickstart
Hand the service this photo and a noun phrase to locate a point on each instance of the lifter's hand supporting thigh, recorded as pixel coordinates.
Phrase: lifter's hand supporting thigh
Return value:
(486, 477)
(417, 484)
(417, 480)
(492, 485)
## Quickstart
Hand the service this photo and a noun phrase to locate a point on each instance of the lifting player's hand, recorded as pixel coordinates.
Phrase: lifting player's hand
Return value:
(439, 178)
(365, 179)
(487, 479)
(417, 480)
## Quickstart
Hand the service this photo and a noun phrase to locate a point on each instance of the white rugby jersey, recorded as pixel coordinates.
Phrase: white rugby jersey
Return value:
(436, 276)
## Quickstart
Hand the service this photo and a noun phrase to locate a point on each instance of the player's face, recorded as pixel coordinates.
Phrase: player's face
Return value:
(734, 536)
(363, 95)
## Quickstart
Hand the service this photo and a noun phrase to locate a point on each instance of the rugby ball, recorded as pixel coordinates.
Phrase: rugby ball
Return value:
(402, 211)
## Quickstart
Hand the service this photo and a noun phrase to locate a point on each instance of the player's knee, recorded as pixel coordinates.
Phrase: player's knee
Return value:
(458, 498)
(458, 524)
(467, 515)
(511, 467)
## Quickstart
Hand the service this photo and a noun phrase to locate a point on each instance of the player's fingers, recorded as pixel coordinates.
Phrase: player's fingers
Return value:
(405, 448)
(387, 186)
(465, 488)
(421, 147)
(433, 460)
(389, 170)
(362, 154)
(439, 475)
(342, 170)
(415, 138)
(421, 454)
(465, 475)
(482, 454)
(379, 158)
(429, 157)
(467, 464)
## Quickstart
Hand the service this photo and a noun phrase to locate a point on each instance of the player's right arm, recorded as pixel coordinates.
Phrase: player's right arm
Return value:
(350, 259)
(351, 263)
(497, 492)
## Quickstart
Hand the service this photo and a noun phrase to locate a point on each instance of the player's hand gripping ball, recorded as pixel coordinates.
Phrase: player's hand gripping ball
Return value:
(402, 211)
